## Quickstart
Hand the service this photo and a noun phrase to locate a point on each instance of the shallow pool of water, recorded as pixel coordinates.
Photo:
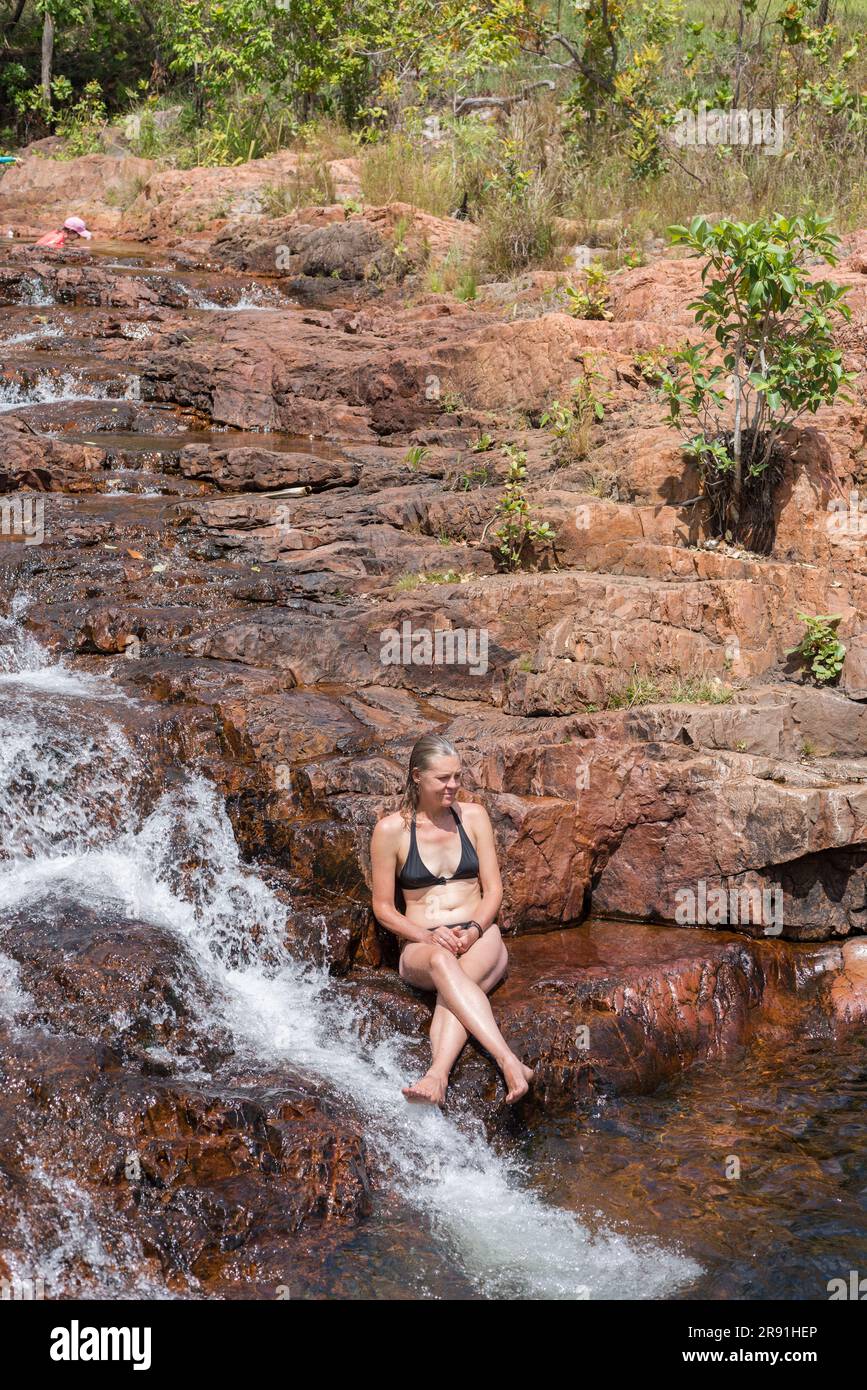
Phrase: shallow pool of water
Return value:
(757, 1166)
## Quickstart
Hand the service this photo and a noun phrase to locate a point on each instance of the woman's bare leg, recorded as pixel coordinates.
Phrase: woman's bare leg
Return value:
(434, 968)
(485, 962)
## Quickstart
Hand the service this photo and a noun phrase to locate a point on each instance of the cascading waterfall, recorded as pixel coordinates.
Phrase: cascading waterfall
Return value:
(32, 335)
(61, 759)
(48, 389)
(115, 1262)
(244, 303)
(13, 999)
(250, 297)
(35, 292)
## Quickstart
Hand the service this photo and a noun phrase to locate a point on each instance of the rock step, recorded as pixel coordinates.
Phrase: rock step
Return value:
(616, 1008)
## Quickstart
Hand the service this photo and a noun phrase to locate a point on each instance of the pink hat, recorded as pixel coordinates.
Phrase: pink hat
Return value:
(75, 224)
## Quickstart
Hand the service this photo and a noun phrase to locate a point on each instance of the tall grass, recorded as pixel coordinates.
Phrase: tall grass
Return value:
(516, 235)
(398, 170)
(586, 180)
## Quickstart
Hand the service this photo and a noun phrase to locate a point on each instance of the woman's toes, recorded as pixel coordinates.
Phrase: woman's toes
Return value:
(430, 1089)
(517, 1078)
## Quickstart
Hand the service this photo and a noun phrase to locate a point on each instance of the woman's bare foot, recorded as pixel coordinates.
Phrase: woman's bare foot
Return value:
(431, 1089)
(517, 1077)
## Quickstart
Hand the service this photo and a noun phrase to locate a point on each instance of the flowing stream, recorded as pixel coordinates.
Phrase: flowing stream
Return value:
(73, 829)
(48, 389)
(623, 1201)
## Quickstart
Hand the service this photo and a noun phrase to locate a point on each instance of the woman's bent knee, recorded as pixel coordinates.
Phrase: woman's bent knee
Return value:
(442, 962)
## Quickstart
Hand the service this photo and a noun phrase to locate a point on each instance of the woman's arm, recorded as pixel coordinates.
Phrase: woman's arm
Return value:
(489, 870)
(383, 861)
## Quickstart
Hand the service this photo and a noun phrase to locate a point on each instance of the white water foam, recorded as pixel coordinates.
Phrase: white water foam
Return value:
(24, 662)
(136, 330)
(77, 1246)
(178, 865)
(44, 330)
(250, 299)
(34, 291)
(48, 389)
(13, 998)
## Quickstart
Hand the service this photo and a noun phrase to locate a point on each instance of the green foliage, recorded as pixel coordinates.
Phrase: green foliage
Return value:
(616, 55)
(586, 93)
(311, 185)
(82, 121)
(248, 125)
(650, 689)
(221, 46)
(591, 302)
(571, 423)
(773, 331)
(639, 690)
(477, 476)
(416, 455)
(655, 362)
(518, 529)
(482, 443)
(399, 244)
(517, 213)
(466, 287)
(516, 235)
(699, 690)
(407, 582)
(820, 648)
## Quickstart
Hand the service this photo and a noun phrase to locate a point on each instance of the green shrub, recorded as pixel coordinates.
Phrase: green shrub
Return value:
(773, 324)
(518, 528)
(571, 424)
(517, 234)
(591, 302)
(820, 648)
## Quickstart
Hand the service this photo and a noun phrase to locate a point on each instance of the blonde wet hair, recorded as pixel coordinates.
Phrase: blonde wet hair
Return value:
(424, 751)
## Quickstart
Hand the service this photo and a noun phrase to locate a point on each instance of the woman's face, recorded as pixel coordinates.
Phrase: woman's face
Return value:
(438, 784)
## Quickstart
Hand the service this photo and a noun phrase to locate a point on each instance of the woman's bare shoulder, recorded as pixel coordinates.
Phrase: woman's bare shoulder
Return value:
(389, 827)
(474, 814)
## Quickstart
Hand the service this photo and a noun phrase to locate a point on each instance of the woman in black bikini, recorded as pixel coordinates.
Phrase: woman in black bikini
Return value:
(451, 944)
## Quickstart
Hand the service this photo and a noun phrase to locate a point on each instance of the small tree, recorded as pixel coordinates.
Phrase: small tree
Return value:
(518, 528)
(774, 327)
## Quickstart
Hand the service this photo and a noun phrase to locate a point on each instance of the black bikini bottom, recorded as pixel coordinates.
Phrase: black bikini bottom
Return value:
(453, 926)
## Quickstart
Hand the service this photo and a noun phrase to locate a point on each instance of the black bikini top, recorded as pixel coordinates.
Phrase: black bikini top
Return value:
(415, 874)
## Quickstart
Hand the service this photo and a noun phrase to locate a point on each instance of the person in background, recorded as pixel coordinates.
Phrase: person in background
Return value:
(72, 229)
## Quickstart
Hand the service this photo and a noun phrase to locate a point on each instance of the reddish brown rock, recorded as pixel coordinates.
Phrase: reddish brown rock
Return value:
(177, 202)
(42, 192)
(616, 1008)
(32, 462)
(242, 469)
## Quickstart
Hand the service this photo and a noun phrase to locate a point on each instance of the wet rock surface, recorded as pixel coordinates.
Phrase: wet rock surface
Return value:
(248, 478)
(208, 1189)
